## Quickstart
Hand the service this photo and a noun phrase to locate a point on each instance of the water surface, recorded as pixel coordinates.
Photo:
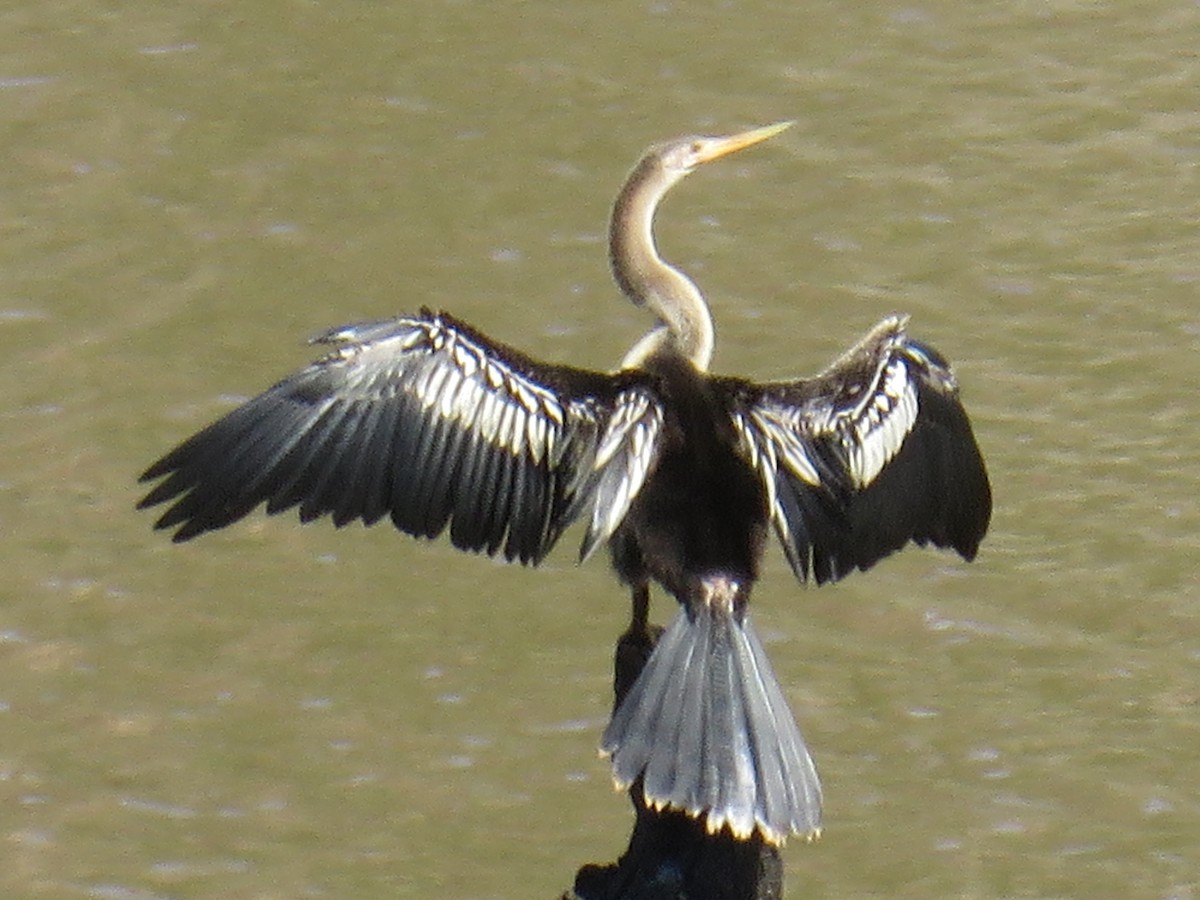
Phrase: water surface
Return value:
(277, 711)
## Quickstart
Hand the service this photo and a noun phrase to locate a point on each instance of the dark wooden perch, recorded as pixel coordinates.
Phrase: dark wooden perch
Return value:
(671, 856)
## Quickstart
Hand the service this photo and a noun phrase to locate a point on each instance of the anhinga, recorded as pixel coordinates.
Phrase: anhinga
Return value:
(423, 419)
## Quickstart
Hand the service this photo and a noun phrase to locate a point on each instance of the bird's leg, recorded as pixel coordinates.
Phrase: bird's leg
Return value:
(640, 613)
(635, 645)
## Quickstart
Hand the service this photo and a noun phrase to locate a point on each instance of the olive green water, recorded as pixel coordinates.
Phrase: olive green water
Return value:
(190, 190)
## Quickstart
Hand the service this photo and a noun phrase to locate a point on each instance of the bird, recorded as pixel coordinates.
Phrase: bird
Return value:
(683, 473)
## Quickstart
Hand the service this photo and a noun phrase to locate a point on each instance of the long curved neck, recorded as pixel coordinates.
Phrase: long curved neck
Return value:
(648, 280)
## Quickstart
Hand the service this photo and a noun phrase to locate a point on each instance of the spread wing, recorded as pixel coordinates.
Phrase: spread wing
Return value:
(423, 419)
(875, 451)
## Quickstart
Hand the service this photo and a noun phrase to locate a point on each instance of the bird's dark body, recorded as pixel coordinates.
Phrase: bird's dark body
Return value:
(702, 511)
(705, 728)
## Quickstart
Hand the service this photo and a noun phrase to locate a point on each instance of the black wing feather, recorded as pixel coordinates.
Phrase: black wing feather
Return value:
(420, 418)
(874, 452)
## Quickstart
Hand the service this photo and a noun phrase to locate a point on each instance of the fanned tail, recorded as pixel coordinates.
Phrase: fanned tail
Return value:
(707, 728)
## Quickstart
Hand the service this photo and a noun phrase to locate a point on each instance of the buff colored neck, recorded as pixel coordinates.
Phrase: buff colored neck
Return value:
(685, 323)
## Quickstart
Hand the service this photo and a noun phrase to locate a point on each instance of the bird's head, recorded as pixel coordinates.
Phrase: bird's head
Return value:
(677, 158)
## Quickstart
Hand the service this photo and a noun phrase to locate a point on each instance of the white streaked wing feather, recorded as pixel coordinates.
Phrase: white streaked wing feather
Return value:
(624, 457)
(466, 397)
(821, 445)
(760, 451)
(872, 432)
(460, 383)
(782, 428)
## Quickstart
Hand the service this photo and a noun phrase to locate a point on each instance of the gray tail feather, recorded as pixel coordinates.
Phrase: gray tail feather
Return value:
(707, 727)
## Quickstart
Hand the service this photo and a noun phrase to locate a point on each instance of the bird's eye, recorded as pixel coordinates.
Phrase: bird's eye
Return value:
(697, 146)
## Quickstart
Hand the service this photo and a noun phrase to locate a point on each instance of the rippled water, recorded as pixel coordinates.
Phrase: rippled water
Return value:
(280, 711)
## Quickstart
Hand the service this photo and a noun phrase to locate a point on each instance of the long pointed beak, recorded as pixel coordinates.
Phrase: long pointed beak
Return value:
(718, 147)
